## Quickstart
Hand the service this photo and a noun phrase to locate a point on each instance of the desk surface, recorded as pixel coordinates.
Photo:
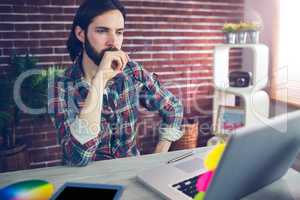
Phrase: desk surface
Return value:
(123, 171)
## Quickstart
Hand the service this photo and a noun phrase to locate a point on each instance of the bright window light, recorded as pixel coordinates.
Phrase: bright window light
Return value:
(289, 38)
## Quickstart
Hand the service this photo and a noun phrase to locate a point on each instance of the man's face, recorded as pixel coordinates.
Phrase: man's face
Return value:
(105, 32)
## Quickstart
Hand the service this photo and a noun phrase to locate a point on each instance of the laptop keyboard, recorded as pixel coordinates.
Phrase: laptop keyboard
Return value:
(188, 186)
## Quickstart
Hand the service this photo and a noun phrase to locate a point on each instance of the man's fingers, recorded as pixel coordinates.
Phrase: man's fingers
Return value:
(119, 59)
(117, 63)
(123, 58)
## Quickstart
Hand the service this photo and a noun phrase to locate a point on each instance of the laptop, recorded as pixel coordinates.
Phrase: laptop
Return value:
(253, 158)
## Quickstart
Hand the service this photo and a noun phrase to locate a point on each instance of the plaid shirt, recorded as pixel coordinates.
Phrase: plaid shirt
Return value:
(122, 97)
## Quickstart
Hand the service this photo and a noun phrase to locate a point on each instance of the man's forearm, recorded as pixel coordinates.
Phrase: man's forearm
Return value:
(162, 146)
(91, 111)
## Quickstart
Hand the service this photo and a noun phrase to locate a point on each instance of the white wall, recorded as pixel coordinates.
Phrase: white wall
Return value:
(264, 11)
(261, 11)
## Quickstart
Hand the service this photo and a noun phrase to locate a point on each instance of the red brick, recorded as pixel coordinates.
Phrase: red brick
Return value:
(37, 165)
(179, 20)
(68, 26)
(10, 2)
(56, 163)
(175, 5)
(39, 17)
(63, 64)
(54, 150)
(184, 75)
(48, 34)
(66, 59)
(37, 35)
(7, 27)
(9, 52)
(50, 58)
(60, 50)
(27, 27)
(14, 35)
(140, 56)
(52, 26)
(6, 9)
(39, 2)
(13, 18)
(79, 2)
(5, 44)
(42, 129)
(43, 143)
(42, 158)
(52, 43)
(63, 18)
(52, 135)
(160, 56)
(39, 151)
(26, 43)
(51, 10)
(69, 10)
(62, 34)
(40, 51)
(64, 2)
(172, 34)
(202, 61)
(181, 12)
(172, 26)
(25, 9)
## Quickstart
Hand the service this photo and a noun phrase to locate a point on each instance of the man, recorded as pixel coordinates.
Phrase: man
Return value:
(96, 103)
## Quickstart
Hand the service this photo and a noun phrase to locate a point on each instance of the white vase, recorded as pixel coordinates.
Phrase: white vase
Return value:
(230, 37)
(242, 37)
(253, 37)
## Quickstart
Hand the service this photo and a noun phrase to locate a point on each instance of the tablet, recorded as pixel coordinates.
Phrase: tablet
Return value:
(88, 191)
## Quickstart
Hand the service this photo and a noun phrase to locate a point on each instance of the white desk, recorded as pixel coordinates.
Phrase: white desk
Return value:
(123, 171)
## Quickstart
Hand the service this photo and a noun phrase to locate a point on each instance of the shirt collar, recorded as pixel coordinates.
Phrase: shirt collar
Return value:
(76, 71)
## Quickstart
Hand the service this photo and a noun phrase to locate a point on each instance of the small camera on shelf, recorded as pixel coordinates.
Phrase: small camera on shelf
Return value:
(239, 79)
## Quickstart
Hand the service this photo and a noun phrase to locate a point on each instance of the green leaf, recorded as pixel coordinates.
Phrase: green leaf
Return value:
(5, 116)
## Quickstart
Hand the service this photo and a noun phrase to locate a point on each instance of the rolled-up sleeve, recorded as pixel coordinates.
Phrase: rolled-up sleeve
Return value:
(77, 141)
(154, 97)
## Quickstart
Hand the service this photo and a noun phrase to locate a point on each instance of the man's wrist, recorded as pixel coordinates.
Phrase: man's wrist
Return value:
(99, 80)
(162, 146)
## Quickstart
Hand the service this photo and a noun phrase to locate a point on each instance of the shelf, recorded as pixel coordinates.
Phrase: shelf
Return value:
(260, 64)
(255, 100)
(238, 91)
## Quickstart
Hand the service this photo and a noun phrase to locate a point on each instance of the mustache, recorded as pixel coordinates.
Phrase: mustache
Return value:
(107, 49)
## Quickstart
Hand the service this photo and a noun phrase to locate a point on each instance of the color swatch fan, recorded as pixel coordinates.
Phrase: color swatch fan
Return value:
(27, 190)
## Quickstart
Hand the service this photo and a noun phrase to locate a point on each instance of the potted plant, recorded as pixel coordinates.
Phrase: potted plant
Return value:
(33, 93)
(242, 32)
(253, 32)
(230, 30)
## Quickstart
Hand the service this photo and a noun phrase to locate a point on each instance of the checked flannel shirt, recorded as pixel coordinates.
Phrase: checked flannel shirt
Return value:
(122, 97)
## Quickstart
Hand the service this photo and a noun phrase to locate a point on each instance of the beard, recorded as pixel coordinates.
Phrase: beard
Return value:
(95, 56)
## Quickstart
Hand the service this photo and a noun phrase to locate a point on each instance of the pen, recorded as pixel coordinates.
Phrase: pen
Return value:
(181, 157)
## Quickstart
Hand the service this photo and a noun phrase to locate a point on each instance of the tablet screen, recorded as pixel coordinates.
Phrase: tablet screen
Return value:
(86, 192)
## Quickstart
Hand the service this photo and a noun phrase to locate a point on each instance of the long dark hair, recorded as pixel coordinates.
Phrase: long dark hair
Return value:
(85, 14)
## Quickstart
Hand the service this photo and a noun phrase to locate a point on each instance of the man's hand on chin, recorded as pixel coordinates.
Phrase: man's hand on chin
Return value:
(163, 146)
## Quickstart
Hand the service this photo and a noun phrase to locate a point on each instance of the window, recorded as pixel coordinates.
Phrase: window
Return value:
(286, 71)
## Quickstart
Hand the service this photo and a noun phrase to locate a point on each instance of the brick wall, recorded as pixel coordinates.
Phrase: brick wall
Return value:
(172, 38)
